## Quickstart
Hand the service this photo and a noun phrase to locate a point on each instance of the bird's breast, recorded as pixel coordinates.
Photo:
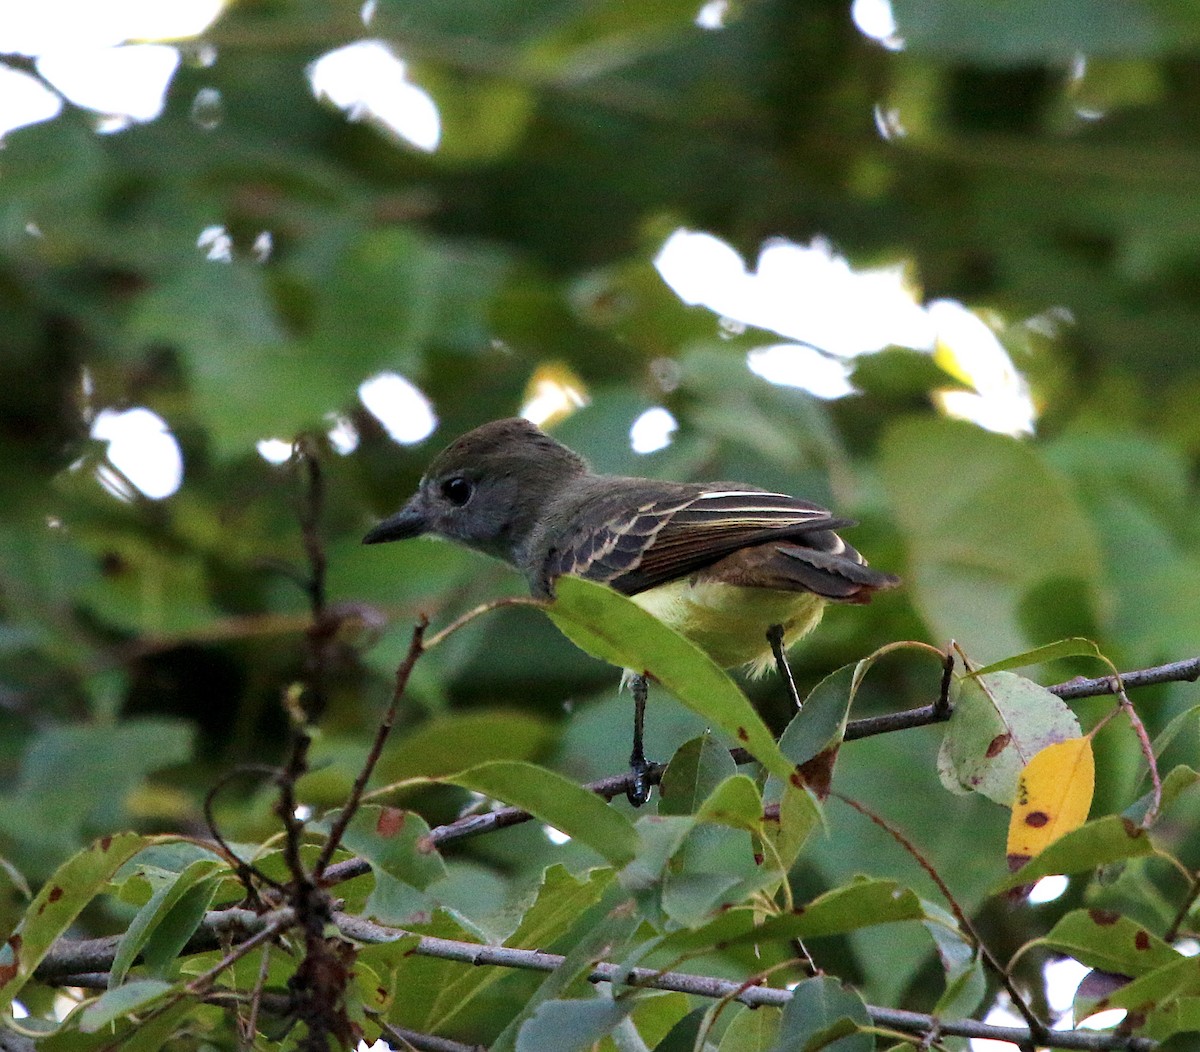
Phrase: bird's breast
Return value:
(729, 622)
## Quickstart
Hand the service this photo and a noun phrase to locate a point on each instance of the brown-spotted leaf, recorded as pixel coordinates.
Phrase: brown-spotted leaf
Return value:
(1000, 722)
(1054, 795)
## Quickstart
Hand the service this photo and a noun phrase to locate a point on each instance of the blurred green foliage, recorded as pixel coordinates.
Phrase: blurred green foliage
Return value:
(1038, 166)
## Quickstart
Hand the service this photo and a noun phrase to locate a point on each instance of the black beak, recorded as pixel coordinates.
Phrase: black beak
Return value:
(407, 522)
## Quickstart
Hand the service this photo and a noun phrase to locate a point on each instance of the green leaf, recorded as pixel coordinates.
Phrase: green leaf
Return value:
(74, 884)
(1178, 781)
(863, 902)
(818, 1009)
(120, 1001)
(567, 1026)
(558, 802)
(614, 629)
(752, 1030)
(143, 1034)
(605, 940)
(76, 779)
(1156, 989)
(660, 837)
(734, 803)
(1019, 35)
(821, 721)
(654, 1014)
(449, 743)
(1180, 1016)
(950, 484)
(1064, 648)
(696, 769)
(1000, 722)
(175, 929)
(560, 901)
(1109, 942)
(166, 896)
(1097, 843)
(966, 981)
(395, 842)
(1173, 729)
(799, 816)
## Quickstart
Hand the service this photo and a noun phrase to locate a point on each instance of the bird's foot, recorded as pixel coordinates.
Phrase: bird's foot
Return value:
(638, 790)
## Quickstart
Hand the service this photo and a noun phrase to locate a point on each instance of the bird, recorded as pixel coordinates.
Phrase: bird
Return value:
(742, 572)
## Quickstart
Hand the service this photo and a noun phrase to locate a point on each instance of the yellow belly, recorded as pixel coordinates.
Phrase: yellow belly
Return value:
(730, 622)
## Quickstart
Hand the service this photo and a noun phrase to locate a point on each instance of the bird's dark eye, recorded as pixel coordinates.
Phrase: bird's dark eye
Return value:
(457, 490)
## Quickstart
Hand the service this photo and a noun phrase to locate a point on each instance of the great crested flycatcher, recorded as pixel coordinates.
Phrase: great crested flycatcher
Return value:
(741, 572)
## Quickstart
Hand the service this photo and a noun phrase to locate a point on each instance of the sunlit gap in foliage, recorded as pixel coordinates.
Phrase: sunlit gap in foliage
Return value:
(652, 430)
(24, 100)
(553, 393)
(368, 82)
(400, 406)
(142, 450)
(968, 349)
(794, 365)
(82, 49)
(809, 294)
(555, 836)
(216, 244)
(1048, 889)
(1062, 978)
(875, 19)
(1002, 1013)
(343, 435)
(1105, 1020)
(1079, 88)
(713, 14)
(274, 450)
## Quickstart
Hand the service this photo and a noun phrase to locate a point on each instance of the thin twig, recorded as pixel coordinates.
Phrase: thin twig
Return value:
(280, 921)
(1037, 1028)
(1185, 908)
(242, 869)
(1139, 728)
(350, 808)
(251, 1026)
(479, 611)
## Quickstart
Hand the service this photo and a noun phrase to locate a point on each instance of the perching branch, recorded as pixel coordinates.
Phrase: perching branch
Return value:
(922, 716)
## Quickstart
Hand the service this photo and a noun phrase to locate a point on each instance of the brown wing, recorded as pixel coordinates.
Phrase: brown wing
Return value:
(660, 539)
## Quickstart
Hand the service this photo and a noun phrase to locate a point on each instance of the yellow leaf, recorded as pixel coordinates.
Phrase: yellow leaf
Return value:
(1054, 795)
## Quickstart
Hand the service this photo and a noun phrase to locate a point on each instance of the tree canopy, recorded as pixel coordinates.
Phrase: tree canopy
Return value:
(192, 679)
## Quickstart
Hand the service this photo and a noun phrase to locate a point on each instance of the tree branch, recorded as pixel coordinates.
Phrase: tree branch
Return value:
(922, 716)
(1186, 671)
(748, 994)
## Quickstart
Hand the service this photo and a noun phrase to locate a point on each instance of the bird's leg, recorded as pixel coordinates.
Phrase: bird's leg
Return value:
(638, 791)
(775, 638)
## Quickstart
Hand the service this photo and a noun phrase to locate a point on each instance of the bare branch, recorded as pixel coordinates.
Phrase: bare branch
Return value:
(405, 1039)
(1187, 671)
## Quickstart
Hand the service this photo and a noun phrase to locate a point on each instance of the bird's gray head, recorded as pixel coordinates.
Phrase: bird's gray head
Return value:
(486, 489)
